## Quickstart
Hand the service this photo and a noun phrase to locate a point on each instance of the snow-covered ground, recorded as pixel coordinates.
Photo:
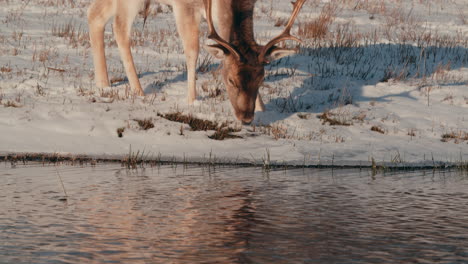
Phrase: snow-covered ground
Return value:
(375, 80)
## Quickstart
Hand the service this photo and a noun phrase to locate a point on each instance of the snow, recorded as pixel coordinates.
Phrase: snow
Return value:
(392, 76)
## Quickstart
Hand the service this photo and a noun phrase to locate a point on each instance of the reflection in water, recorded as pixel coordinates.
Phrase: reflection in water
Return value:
(231, 215)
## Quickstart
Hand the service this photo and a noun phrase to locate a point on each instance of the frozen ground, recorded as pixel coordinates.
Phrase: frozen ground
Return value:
(383, 80)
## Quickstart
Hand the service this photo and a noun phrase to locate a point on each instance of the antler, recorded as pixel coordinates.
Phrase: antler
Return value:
(286, 34)
(212, 34)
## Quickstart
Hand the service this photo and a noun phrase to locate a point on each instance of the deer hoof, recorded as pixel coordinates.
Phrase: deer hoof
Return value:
(194, 102)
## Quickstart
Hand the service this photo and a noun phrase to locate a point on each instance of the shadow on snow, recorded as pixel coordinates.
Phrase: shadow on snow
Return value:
(335, 76)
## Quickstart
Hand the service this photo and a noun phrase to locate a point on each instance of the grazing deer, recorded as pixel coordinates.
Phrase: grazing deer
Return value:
(243, 60)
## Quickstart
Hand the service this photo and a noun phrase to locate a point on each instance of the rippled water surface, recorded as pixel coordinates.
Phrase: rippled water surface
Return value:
(231, 215)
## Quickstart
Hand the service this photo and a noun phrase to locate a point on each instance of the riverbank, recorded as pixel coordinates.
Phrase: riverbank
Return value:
(379, 83)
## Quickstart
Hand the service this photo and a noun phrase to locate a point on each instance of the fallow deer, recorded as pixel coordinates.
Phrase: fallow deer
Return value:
(243, 60)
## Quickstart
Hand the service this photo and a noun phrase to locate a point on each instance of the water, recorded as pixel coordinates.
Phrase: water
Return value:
(231, 215)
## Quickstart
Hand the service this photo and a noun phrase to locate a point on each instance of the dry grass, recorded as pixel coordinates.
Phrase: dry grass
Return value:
(456, 136)
(222, 130)
(277, 131)
(134, 159)
(196, 124)
(223, 134)
(318, 28)
(304, 116)
(441, 73)
(334, 119)
(5, 69)
(75, 36)
(120, 131)
(411, 132)
(115, 80)
(145, 124)
(377, 129)
(13, 104)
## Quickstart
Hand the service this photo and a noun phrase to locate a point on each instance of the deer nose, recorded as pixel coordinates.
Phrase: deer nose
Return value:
(246, 123)
(247, 120)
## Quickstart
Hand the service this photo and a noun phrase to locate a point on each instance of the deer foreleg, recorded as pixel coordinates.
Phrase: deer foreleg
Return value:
(99, 14)
(259, 105)
(188, 20)
(122, 29)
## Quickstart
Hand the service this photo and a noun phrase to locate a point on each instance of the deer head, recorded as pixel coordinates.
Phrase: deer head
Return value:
(243, 60)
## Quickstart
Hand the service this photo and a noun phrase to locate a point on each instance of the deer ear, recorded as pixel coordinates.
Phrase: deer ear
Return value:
(216, 51)
(277, 53)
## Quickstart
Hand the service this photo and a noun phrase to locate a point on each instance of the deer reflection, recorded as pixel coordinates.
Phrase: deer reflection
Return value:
(163, 218)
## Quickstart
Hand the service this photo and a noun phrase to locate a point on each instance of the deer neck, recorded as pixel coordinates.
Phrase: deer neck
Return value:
(242, 34)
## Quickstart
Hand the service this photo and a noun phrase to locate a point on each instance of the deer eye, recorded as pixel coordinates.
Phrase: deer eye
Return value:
(231, 82)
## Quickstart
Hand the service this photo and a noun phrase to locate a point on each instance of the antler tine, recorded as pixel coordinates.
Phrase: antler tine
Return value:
(286, 34)
(212, 34)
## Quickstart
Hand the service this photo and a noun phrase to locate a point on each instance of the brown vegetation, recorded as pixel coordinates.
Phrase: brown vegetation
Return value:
(457, 137)
(223, 131)
(223, 134)
(144, 124)
(318, 28)
(10, 103)
(196, 124)
(120, 131)
(333, 119)
(377, 129)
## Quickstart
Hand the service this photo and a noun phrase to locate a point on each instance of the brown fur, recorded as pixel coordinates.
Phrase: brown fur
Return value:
(244, 59)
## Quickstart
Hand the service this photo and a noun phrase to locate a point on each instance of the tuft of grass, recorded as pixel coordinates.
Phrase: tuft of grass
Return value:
(204, 64)
(63, 186)
(305, 116)
(144, 124)
(333, 119)
(115, 80)
(134, 159)
(289, 104)
(223, 134)
(318, 28)
(10, 103)
(5, 69)
(277, 130)
(196, 124)
(75, 36)
(267, 160)
(120, 131)
(397, 158)
(222, 130)
(377, 129)
(457, 137)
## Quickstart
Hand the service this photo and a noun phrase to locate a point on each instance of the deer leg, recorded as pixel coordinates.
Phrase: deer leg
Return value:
(99, 14)
(122, 29)
(259, 105)
(188, 20)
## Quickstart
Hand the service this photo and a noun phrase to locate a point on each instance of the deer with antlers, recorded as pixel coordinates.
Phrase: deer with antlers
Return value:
(243, 60)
